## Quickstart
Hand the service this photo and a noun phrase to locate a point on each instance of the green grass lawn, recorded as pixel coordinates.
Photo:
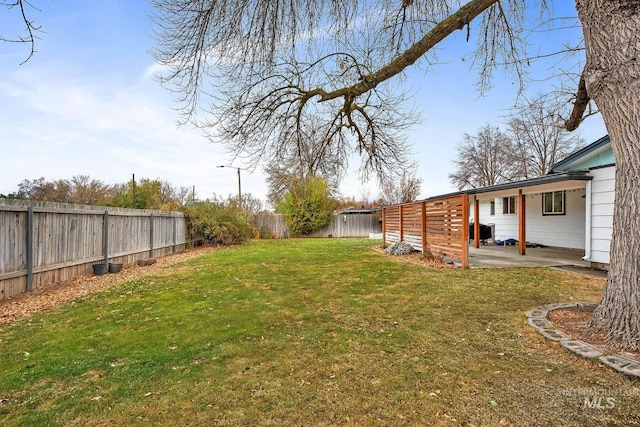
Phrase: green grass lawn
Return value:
(308, 332)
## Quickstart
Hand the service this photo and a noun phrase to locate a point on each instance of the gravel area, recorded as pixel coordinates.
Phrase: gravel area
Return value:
(26, 304)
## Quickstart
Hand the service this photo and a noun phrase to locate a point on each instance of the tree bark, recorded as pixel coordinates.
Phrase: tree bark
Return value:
(612, 76)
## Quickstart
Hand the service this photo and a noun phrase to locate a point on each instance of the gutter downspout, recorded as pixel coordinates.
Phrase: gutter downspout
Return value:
(587, 222)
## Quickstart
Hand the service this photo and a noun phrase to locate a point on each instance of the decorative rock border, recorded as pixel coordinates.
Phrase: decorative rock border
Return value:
(537, 319)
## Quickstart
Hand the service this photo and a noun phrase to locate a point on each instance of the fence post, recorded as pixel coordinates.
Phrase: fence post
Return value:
(465, 231)
(151, 235)
(423, 220)
(105, 237)
(30, 249)
(175, 232)
(401, 224)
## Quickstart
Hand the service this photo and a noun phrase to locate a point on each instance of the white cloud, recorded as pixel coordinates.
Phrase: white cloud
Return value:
(107, 130)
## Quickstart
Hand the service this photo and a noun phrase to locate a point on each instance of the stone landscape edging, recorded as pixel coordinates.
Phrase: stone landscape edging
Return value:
(537, 319)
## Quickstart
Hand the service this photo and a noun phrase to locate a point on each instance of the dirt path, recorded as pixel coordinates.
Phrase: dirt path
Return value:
(26, 304)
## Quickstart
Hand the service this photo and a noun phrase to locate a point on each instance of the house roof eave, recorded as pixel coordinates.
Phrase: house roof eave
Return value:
(564, 177)
(589, 149)
(546, 179)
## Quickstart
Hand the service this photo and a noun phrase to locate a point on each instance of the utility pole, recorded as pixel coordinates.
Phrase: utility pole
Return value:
(133, 186)
(239, 183)
(239, 191)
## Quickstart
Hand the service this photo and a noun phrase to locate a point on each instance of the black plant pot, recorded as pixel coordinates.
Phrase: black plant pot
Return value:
(99, 269)
(115, 267)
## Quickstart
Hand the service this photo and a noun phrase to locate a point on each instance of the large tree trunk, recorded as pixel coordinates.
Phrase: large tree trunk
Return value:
(612, 74)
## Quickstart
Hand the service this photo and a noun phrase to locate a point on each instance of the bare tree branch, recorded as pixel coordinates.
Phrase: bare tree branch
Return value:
(539, 137)
(443, 29)
(269, 101)
(484, 159)
(579, 106)
(29, 27)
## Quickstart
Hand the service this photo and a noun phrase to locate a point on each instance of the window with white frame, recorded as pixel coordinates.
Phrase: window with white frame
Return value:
(492, 208)
(553, 203)
(509, 205)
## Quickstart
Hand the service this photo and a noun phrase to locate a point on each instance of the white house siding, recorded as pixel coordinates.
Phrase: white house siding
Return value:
(566, 231)
(602, 199)
(505, 226)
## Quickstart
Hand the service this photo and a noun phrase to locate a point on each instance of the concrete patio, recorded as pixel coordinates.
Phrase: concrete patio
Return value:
(492, 256)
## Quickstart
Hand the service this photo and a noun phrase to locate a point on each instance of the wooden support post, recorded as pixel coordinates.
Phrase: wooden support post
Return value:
(401, 223)
(384, 228)
(105, 238)
(423, 221)
(150, 235)
(522, 224)
(30, 249)
(476, 222)
(175, 233)
(465, 231)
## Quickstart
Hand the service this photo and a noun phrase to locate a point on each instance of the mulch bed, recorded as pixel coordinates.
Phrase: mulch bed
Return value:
(51, 296)
(576, 325)
(433, 262)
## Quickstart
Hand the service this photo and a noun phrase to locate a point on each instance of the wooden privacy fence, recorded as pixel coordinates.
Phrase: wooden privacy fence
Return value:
(271, 226)
(43, 243)
(342, 225)
(439, 226)
(350, 225)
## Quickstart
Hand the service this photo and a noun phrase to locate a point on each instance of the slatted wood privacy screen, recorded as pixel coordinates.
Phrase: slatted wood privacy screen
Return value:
(42, 243)
(440, 226)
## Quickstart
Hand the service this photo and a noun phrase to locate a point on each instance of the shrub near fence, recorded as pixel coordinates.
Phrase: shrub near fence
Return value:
(43, 243)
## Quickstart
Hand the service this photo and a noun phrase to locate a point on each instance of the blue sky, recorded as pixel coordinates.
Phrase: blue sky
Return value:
(86, 104)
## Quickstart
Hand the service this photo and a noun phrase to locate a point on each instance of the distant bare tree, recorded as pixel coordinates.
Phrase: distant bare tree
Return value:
(42, 190)
(484, 159)
(87, 191)
(405, 190)
(539, 137)
(251, 205)
(306, 163)
(184, 195)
